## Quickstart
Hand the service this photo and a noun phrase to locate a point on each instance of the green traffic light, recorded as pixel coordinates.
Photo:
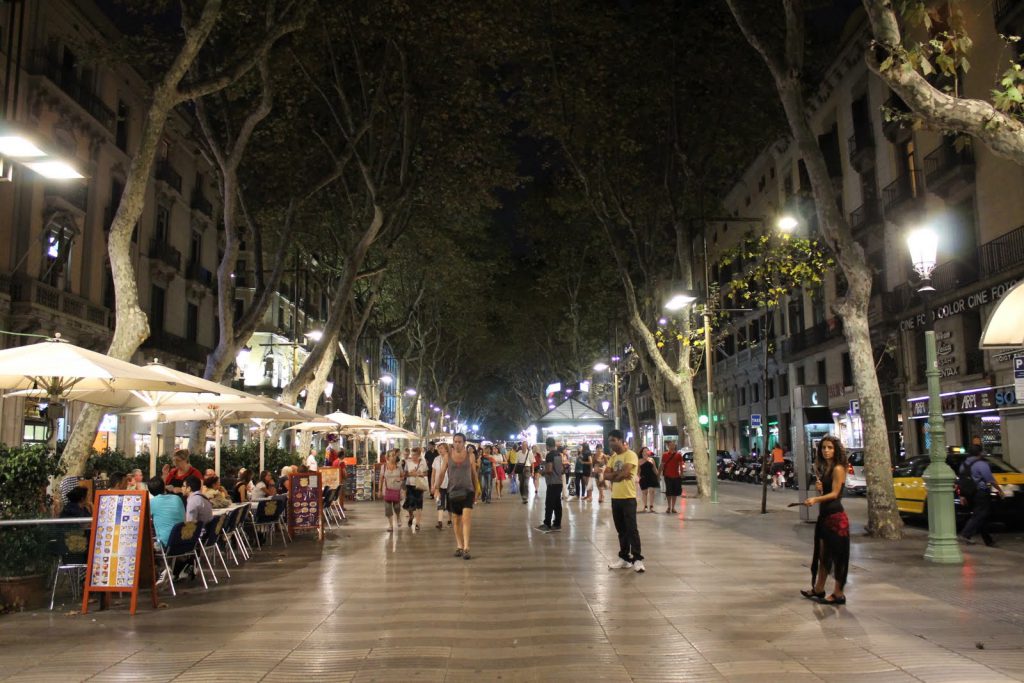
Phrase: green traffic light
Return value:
(703, 419)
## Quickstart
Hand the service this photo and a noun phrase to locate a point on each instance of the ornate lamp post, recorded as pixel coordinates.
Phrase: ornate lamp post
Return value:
(938, 477)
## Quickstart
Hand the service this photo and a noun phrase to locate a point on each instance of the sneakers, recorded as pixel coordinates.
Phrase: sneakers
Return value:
(556, 527)
(620, 564)
(544, 527)
(638, 567)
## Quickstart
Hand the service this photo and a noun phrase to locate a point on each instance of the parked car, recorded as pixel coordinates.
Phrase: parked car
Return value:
(912, 493)
(690, 472)
(856, 482)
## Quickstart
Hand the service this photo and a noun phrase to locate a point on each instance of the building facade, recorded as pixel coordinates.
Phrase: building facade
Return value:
(890, 178)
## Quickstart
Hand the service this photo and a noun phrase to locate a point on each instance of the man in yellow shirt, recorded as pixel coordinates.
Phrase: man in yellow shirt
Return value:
(621, 467)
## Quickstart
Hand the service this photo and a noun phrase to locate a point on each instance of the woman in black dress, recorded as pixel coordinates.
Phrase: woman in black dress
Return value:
(832, 531)
(648, 479)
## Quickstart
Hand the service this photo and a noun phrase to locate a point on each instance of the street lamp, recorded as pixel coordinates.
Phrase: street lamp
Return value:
(938, 477)
(601, 367)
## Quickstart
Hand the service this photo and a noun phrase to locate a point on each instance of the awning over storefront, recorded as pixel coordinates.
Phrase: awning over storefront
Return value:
(818, 415)
(1004, 328)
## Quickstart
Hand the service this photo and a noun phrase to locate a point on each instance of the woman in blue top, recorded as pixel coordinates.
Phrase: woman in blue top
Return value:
(167, 510)
(486, 475)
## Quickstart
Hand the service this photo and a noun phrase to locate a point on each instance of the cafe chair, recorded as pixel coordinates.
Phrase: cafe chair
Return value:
(72, 548)
(183, 544)
(268, 516)
(329, 516)
(234, 536)
(213, 532)
(337, 505)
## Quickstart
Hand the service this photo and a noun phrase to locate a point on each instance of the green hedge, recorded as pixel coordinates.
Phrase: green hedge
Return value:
(24, 476)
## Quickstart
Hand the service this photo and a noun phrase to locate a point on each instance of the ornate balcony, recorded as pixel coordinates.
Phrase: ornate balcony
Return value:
(947, 170)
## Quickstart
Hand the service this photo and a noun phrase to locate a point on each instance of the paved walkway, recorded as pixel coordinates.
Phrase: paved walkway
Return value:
(719, 602)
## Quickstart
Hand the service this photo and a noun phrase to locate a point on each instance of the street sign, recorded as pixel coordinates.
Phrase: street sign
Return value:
(755, 419)
(1018, 378)
(854, 406)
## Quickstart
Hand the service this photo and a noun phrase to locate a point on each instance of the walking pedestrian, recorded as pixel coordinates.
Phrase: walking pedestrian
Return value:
(499, 471)
(414, 472)
(649, 481)
(622, 466)
(486, 474)
(461, 472)
(587, 460)
(976, 470)
(430, 456)
(523, 469)
(391, 490)
(440, 486)
(832, 531)
(566, 470)
(600, 463)
(554, 470)
(538, 460)
(671, 469)
(577, 473)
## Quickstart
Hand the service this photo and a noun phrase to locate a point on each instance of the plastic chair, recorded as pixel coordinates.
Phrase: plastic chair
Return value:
(328, 500)
(268, 515)
(212, 533)
(183, 543)
(72, 547)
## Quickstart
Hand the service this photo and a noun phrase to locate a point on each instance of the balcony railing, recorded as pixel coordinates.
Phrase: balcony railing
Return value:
(812, 337)
(906, 187)
(69, 83)
(946, 168)
(861, 146)
(165, 253)
(1002, 253)
(952, 275)
(197, 273)
(179, 346)
(865, 215)
(31, 291)
(201, 203)
(166, 173)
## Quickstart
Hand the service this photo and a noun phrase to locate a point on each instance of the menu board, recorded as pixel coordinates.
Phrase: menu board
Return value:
(305, 504)
(331, 476)
(120, 547)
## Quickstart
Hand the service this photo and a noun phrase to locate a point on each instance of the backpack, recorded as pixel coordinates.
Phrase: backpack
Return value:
(966, 483)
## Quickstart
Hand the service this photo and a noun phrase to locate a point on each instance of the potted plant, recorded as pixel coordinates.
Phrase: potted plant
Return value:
(25, 559)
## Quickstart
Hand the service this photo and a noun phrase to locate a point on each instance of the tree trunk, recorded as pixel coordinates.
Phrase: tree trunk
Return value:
(314, 390)
(786, 69)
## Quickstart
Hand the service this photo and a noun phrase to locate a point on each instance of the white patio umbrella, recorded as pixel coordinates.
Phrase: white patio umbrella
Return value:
(55, 368)
(1003, 329)
(151, 401)
(222, 408)
(336, 422)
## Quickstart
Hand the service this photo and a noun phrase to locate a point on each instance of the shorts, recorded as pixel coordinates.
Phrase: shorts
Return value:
(442, 499)
(778, 467)
(673, 486)
(465, 504)
(585, 472)
(413, 498)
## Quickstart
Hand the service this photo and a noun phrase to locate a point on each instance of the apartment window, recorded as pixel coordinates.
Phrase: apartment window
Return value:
(108, 287)
(770, 387)
(57, 255)
(195, 249)
(192, 322)
(910, 167)
(847, 371)
(755, 392)
(822, 379)
(163, 224)
(796, 313)
(743, 396)
(818, 307)
(801, 375)
(157, 301)
(239, 309)
(123, 115)
(784, 384)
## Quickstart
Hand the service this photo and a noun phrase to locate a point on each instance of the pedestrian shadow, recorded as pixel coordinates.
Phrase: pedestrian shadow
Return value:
(838, 621)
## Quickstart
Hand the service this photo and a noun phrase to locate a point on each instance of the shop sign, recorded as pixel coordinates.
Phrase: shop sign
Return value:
(968, 401)
(1007, 356)
(755, 419)
(966, 303)
(1018, 377)
(854, 406)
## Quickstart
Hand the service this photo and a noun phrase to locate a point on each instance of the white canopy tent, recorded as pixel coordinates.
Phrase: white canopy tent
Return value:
(58, 370)
(223, 408)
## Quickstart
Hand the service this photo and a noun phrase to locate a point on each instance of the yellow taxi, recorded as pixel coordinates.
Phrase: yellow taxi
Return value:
(912, 494)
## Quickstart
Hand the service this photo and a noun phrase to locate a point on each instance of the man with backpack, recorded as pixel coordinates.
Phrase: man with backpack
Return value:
(976, 485)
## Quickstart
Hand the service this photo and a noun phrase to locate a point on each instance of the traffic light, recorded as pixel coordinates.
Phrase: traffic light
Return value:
(703, 419)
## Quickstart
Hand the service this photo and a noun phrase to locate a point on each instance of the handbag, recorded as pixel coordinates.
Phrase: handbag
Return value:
(392, 495)
(420, 483)
(458, 496)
